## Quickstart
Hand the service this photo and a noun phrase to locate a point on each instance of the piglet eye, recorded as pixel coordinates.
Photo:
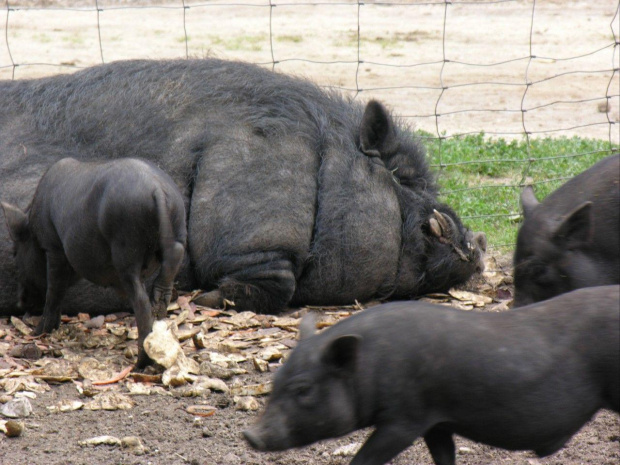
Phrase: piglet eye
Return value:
(302, 390)
(541, 274)
(304, 395)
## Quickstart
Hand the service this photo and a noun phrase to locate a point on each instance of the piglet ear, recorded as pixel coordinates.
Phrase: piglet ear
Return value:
(16, 221)
(341, 353)
(307, 327)
(528, 201)
(377, 135)
(576, 229)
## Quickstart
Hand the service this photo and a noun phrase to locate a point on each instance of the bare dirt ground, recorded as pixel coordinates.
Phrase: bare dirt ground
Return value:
(397, 56)
(201, 422)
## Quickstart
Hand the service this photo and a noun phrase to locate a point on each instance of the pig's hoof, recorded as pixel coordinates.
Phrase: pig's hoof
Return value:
(212, 299)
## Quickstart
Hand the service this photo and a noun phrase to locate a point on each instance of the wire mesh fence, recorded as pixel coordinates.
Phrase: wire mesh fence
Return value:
(485, 82)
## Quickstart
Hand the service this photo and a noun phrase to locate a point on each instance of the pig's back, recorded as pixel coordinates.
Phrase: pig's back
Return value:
(531, 338)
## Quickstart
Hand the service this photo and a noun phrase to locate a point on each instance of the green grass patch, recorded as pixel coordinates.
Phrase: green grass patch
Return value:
(481, 177)
(388, 41)
(290, 38)
(43, 38)
(385, 42)
(248, 43)
(75, 39)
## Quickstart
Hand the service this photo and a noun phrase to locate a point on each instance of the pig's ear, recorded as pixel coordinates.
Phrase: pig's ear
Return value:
(307, 327)
(576, 229)
(16, 221)
(377, 136)
(443, 227)
(528, 201)
(341, 353)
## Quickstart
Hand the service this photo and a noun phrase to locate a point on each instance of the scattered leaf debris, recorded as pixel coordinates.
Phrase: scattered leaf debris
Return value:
(209, 357)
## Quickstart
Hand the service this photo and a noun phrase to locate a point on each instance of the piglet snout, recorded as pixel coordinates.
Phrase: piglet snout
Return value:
(252, 436)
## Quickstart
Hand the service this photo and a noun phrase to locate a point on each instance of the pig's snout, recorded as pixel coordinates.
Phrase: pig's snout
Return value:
(252, 436)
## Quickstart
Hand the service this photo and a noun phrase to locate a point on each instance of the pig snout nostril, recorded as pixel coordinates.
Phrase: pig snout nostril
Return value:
(254, 440)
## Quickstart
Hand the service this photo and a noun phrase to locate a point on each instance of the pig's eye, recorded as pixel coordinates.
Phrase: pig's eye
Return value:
(377, 161)
(406, 175)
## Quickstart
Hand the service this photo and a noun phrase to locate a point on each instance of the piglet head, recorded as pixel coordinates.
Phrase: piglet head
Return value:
(29, 259)
(552, 252)
(312, 396)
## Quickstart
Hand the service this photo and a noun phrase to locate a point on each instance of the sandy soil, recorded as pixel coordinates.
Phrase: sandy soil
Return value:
(398, 58)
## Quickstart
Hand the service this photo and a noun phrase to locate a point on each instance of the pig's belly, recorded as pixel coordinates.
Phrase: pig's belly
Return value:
(544, 433)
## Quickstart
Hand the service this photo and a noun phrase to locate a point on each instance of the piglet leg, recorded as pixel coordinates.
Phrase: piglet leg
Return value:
(128, 265)
(384, 444)
(60, 275)
(172, 257)
(138, 296)
(441, 446)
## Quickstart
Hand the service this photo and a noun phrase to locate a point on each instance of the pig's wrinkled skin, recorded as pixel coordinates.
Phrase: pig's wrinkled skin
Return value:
(520, 380)
(294, 193)
(572, 238)
(111, 223)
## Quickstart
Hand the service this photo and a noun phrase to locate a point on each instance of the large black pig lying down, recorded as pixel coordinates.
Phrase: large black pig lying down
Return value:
(294, 194)
(527, 379)
(111, 223)
(572, 238)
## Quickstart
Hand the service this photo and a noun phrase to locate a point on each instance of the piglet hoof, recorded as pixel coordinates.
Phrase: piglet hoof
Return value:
(159, 310)
(143, 359)
(212, 299)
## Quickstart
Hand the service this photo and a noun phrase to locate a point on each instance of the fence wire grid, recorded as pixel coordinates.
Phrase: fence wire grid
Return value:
(518, 70)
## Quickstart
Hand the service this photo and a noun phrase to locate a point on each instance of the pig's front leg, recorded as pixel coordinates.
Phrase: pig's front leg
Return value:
(385, 443)
(263, 282)
(60, 275)
(441, 446)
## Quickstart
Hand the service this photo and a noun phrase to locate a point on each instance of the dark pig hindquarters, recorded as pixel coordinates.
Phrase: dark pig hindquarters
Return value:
(572, 238)
(111, 223)
(295, 194)
(521, 380)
